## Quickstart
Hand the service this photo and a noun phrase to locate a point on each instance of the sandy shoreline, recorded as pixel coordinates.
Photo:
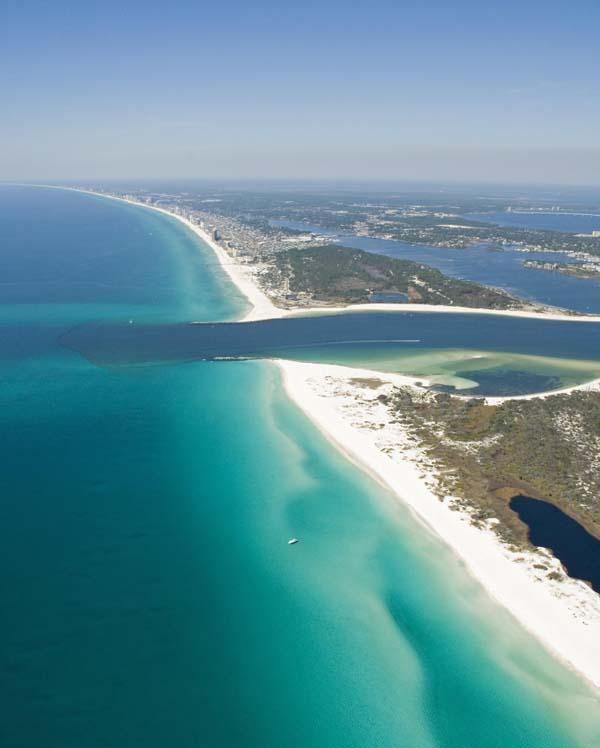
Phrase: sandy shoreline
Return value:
(564, 616)
(408, 308)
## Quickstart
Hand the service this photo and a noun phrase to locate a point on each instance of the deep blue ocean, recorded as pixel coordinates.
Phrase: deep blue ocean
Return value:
(149, 594)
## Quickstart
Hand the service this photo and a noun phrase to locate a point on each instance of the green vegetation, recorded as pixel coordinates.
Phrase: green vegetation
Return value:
(429, 231)
(545, 448)
(333, 274)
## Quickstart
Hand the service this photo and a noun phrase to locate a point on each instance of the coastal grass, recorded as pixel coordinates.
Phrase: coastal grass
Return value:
(546, 448)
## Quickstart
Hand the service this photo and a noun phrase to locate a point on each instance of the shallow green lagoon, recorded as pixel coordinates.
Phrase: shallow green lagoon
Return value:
(150, 597)
(460, 370)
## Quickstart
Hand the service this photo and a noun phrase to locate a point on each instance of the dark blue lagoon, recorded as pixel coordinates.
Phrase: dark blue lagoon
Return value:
(149, 595)
(489, 265)
(572, 544)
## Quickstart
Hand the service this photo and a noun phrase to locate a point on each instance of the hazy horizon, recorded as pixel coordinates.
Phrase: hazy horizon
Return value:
(377, 92)
(504, 189)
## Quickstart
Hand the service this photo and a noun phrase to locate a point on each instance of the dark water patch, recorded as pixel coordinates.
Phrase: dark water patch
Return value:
(391, 297)
(503, 381)
(549, 527)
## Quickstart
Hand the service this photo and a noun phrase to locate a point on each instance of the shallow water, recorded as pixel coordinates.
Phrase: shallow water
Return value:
(149, 594)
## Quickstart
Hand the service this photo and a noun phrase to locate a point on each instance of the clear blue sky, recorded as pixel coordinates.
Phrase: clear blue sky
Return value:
(397, 90)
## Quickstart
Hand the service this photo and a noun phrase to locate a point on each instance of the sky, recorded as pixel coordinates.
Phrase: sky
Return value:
(455, 91)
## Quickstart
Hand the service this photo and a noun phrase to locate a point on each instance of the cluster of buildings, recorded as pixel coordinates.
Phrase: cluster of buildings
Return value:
(246, 244)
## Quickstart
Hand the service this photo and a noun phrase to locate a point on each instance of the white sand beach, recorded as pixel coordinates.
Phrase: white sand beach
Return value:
(564, 615)
(410, 308)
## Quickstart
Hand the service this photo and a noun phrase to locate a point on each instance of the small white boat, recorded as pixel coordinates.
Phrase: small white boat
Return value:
(293, 541)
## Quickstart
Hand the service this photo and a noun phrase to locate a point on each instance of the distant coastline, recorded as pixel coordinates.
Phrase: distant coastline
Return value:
(263, 307)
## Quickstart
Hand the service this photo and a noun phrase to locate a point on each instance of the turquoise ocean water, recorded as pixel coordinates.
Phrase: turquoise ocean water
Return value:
(149, 594)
